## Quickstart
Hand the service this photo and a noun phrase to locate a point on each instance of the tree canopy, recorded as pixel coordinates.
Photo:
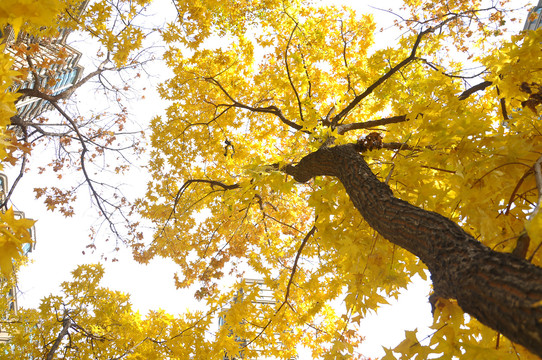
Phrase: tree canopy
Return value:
(299, 151)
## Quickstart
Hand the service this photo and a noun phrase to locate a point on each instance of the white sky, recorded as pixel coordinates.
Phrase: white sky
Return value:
(60, 243)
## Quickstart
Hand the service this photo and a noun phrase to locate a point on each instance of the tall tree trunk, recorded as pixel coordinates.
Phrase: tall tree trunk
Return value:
(500, 290)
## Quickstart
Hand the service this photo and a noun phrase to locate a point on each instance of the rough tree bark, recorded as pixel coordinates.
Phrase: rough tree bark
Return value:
(66, 323)
(500, 290)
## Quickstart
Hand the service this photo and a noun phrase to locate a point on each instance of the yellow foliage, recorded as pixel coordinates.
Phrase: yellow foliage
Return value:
(13, 234)
(20, 14)
(534, 228)
(257, 85)
(257, 89)
(29, 12)
(102, 325)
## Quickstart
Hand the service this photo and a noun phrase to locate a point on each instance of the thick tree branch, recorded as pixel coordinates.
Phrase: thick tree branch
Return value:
(37, 93)
(499, 289)
(481, 86)
(341, 129)
(69, 91)
(66, 323)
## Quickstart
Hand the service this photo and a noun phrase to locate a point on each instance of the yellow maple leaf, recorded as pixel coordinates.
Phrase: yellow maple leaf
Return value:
(13, 234)
(534, 227)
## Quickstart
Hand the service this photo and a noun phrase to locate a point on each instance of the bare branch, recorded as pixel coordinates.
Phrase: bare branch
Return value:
(34, 72)
(523, 241)
(516, 189)
(68, 92)
(503, 109)
(84, 150)
(503, 106)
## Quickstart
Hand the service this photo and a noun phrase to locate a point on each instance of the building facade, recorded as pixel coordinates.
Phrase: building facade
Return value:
(56, 68)
(265, 298)
(534, 20)
(52, 67)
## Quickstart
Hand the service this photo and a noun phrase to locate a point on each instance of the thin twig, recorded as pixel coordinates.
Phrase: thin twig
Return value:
(389, 74)
(268, 109)
(290, 281)
(289, 75)
(84, 150)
